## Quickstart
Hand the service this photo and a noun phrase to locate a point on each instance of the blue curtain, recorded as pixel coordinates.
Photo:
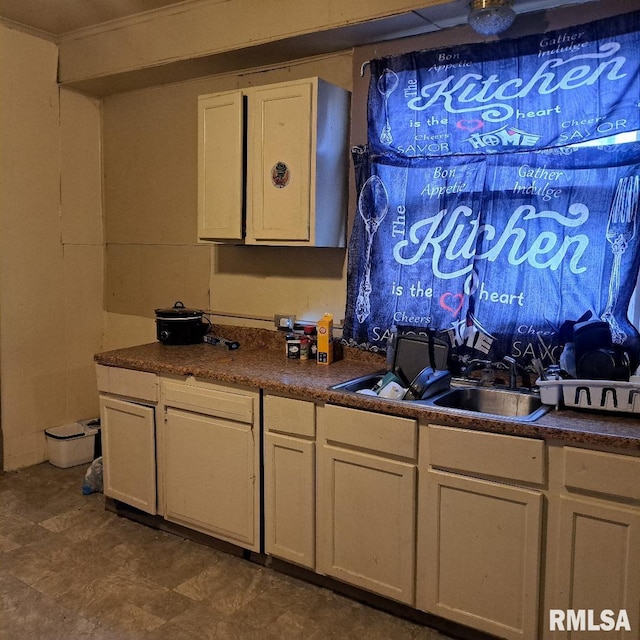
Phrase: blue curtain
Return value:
(496, 246)
(537, 92)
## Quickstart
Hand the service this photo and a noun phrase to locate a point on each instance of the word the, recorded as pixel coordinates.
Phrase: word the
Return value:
(398, 224)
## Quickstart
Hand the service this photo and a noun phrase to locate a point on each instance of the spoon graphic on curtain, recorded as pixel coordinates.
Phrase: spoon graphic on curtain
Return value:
(373, 205)
(387, 84)
(621, 228)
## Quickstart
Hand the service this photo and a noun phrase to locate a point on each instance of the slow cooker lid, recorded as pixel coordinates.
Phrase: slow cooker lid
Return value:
(179, 311)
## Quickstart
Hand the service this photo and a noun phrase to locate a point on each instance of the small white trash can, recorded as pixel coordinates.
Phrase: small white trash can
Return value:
(70, 444)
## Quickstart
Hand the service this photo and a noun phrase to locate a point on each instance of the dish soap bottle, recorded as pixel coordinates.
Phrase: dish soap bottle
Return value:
(391, 346)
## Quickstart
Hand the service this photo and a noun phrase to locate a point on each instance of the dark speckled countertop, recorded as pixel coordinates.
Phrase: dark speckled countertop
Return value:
(261, 363)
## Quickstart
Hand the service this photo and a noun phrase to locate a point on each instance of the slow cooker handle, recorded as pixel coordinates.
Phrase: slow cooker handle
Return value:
(206, 325)
(178, 305)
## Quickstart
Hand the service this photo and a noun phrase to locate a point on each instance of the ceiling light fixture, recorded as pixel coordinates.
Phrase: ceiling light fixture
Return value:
(490, 17)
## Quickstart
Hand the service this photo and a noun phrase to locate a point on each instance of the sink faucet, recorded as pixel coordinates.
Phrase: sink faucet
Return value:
(476, 364)
(514, 367)
(485, 365)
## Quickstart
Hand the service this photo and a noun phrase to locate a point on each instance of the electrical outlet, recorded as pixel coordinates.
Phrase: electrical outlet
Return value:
(284, 322)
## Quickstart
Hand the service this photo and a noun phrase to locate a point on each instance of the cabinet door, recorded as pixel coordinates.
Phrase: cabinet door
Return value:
(479, 546)
(221, 166)
(210, 476)
(129, 453)
(289, 486)
(366, 521)
(595, 563)
(281, 136)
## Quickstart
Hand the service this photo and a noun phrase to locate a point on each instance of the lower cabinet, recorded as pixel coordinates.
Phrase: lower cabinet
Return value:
(289, 479)
(479, 539)
(367, 500)
(211, 458)
(127, 418)
(593, 560)
(507, 535)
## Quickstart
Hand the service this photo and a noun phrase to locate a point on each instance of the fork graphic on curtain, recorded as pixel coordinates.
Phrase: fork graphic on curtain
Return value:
(621, 228)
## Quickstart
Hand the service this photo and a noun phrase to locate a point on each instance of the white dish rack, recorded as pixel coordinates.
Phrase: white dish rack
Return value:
(603, 395)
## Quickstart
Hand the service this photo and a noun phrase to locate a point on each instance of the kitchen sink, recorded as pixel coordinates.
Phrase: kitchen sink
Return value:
(488, 400)
(359, 384)
(464, 396)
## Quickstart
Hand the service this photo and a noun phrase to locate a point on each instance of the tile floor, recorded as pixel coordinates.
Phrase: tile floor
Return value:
(71, 570)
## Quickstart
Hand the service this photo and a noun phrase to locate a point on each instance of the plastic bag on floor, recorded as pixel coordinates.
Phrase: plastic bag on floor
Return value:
(92, 482)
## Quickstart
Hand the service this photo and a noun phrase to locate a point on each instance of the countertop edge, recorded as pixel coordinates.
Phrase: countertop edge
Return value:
(269, 370)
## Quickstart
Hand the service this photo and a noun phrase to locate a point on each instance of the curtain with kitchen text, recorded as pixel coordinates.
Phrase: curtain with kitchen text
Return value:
(477, 216)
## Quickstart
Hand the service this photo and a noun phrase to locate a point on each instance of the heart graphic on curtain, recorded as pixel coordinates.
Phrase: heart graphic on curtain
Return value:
(470, 125)
(457, 300)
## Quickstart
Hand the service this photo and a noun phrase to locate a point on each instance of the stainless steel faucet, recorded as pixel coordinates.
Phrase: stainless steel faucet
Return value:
(488, 375)
(476, 364)
(514, 367)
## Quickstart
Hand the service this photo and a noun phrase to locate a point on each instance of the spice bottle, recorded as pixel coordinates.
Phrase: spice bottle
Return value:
(292, 346)
(304, 348)
(310, 334)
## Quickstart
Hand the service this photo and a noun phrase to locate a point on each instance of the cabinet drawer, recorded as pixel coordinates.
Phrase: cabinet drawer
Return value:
(210, 399)
(141, 385)
(607, 473)
(486, 454)
(286, 415)
(373, 431)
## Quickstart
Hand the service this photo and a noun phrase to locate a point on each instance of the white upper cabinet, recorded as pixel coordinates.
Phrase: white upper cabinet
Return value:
(221, 166)
(294, 137)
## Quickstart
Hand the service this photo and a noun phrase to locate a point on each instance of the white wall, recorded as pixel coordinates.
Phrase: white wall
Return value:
(50, 262)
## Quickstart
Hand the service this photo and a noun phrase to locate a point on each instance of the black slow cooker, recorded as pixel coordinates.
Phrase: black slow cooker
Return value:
(179, 325)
